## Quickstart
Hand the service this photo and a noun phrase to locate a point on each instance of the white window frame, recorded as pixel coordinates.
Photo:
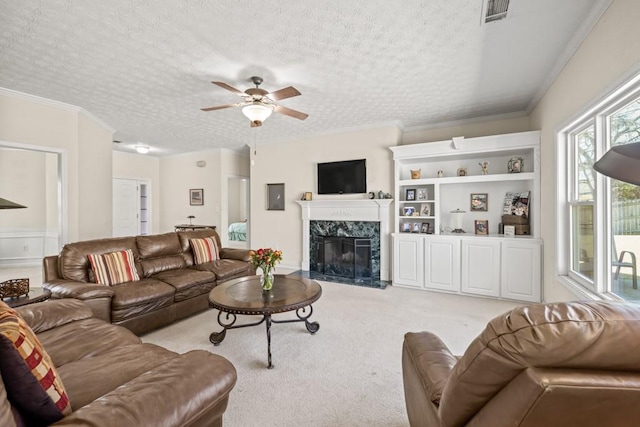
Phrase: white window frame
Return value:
(596, 114)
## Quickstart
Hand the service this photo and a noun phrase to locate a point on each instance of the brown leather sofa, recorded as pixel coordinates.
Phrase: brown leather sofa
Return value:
(564, 364)
(113, 379)
(171, 285)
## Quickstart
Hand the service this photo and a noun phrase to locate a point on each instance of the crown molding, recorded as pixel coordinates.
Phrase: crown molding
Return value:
(463, 122)
(55, 104)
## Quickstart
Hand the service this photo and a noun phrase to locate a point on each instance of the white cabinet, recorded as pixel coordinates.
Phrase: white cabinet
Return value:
(521, 270)
(407, 260)
(442, 263)
(480, 267)
(428, 255)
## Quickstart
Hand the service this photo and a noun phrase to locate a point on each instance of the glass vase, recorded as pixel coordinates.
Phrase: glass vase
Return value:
(266, 279)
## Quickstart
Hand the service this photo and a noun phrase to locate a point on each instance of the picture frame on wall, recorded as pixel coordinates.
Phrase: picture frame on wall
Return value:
(479, 202)
(481, 226)
(275, 197)
(196, 197)
(411, 194)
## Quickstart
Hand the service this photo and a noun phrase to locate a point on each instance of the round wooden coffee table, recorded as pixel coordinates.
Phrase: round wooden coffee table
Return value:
(245, 296)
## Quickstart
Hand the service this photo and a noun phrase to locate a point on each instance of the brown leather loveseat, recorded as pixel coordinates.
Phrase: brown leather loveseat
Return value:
(92, 373)
(171, 285)
(564, 364)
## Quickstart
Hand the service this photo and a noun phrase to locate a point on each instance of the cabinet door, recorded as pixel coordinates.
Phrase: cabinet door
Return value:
(481, 267)
(521, 270)
(407, 260)
(442, 263)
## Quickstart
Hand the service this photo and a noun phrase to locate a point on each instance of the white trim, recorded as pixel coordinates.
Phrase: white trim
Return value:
(462, 122)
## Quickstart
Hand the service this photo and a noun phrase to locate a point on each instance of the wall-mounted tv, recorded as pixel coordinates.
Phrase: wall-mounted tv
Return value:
(346, 177)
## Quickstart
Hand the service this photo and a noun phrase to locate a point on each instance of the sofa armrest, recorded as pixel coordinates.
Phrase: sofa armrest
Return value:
(431, 360)
(50, 314)
(237, 254)
(61, 288)
(197, 385)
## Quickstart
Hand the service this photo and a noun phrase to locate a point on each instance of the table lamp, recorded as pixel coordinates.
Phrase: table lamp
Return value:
(621, 162)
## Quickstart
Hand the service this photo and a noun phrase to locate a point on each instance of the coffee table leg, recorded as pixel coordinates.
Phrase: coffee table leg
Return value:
(312, 327)
(216, 337)
(268, 319)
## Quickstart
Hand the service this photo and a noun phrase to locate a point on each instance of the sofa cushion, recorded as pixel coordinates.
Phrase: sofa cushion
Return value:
(136, 298)
(113, 268)
(160, 253)
(90, 378)
(30, 378)
(73, 260)
(188, 282)
(186, 236)
(225, 269)
(90, 337)
(204, 250)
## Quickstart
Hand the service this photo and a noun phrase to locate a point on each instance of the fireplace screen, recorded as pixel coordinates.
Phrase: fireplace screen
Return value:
(343, 256)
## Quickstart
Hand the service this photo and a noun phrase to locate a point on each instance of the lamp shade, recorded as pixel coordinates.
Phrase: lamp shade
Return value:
(621, 162)
(257, 112)
(8, 204)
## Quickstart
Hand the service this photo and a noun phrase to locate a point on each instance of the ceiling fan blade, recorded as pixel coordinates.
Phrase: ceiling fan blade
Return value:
(291, 113)
(220, 107)
(287, 92)
(229, 88)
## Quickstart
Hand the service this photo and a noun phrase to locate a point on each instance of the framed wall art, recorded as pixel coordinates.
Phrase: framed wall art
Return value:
(196, 197)
(275, 197)
(479, 202)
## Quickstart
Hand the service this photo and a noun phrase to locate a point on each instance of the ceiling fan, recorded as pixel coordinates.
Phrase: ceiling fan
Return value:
(258, 104)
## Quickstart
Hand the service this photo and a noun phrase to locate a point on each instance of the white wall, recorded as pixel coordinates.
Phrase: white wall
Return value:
(294, 164)
(610, 53)
(141, 167)
(39, 122)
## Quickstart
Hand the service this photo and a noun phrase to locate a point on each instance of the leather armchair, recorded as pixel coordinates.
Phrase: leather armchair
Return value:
(563, 364)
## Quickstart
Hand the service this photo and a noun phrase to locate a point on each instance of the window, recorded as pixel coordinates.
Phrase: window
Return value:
(599, 217)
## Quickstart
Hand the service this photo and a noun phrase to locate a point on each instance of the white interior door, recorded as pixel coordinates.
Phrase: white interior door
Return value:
(125, 207)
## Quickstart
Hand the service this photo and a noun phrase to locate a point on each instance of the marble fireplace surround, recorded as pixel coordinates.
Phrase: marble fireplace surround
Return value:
(375, 210)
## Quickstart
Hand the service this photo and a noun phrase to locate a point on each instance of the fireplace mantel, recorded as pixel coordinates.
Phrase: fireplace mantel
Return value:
(349, 210)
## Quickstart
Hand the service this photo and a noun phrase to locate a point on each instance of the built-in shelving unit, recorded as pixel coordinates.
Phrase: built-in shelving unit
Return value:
(427, 254)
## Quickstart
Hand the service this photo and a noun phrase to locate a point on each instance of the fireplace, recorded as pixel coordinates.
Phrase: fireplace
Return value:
(343, 257)
(358, 219)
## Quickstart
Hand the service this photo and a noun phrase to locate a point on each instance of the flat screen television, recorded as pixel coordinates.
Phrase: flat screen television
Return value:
(346, 177)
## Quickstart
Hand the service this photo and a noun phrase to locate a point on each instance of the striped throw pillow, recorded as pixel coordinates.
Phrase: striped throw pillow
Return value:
(32, 383)
(114, 267)
(204, 250)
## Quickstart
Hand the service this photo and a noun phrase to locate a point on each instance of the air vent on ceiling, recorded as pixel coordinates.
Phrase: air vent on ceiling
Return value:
(495, 10)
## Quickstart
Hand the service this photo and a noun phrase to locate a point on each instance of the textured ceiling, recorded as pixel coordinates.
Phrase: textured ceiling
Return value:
(144, 67)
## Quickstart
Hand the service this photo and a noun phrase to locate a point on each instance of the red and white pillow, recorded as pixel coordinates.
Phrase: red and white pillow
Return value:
(204, 250)
(32, 383)
(114, 267)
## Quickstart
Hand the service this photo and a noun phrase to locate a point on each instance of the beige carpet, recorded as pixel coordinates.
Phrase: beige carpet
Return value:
(349, 373)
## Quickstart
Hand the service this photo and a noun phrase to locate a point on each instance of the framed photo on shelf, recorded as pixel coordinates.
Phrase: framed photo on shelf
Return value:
(416, 227)
(509, 230)
(411, 194)
(479, 202)
(406, 227)
(425, 228)
(481, 226)
(408, 210)
(425, 209)
(423, 194)
(196, 197)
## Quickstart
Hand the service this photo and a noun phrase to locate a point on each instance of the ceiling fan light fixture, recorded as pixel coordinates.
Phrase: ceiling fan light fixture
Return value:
(257, 112)
(142, 149)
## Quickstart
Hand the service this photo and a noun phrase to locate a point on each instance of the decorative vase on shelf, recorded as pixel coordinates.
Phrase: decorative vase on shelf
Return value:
(266, 279)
